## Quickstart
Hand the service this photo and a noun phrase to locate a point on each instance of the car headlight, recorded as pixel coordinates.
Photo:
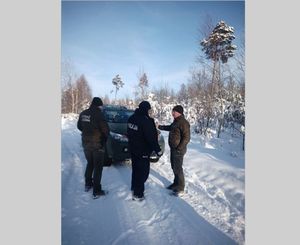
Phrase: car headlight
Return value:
(119, 137)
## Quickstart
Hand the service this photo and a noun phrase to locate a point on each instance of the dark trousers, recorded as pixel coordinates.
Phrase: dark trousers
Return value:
(140, 173)
(176, 164)
(94, 167)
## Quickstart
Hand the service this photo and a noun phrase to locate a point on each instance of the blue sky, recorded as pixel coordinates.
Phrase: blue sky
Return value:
(103, 39)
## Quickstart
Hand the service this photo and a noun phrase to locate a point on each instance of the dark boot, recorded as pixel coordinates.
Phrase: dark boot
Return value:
(177, 192)
(138, 198)
(88, 188)
(99, 194)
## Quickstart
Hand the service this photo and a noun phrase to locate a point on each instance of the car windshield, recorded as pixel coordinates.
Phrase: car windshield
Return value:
(117, 116)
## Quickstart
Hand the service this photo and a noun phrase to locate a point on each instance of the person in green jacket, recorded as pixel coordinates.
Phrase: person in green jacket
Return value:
(179, 137)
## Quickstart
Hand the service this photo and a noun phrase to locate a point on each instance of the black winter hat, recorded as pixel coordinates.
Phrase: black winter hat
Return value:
(178, 108)
(145, 106)
(97, 101)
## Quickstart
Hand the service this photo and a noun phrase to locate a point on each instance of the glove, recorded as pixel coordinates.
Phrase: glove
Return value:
(159, 154)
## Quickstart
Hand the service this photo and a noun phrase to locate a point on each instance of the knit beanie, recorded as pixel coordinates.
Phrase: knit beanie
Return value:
(178, 108)
(97, 101)
(144, 106)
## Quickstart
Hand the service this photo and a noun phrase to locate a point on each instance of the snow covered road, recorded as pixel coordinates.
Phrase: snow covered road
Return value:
(210, 212)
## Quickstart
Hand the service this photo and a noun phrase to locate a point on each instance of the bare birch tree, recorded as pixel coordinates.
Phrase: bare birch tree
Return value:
(68, 78)
(75, 92)
(143, 85)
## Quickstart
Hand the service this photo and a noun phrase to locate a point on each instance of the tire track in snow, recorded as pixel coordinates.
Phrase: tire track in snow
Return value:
(207, 194)
(116, 219)
(147, 223)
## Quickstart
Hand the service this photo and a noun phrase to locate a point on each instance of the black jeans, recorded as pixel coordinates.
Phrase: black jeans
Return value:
(140, 173)
(94, 167)
(176, 164)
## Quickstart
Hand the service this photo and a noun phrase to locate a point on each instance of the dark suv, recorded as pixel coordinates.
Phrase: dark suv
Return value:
(117, 143)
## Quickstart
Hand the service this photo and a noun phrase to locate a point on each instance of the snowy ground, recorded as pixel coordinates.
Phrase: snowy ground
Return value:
(212, 211)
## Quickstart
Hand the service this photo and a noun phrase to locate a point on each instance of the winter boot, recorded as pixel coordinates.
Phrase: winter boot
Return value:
(87, 188)
(99, 194)
(138, 198)
(177, 193)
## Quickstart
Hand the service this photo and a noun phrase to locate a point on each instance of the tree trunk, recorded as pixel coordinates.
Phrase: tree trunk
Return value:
(207, 125)
(213, 79)
(72, 101)
(221, 117)
(221, 123)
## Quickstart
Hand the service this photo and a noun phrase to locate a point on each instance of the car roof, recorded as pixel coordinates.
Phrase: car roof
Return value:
(116, 108)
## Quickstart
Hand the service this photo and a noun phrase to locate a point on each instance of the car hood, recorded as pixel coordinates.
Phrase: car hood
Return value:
(119, 128)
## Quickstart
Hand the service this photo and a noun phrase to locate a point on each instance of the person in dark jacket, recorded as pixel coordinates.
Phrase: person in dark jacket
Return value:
(143, 140)
(95, 131)
(179, 137)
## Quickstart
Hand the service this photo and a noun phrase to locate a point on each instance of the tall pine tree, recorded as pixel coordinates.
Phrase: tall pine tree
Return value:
(118, 83)
(218, 47)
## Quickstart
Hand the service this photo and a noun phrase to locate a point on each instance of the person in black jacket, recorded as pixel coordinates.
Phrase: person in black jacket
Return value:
(94, 134)
(179, 137)
(143, 140)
